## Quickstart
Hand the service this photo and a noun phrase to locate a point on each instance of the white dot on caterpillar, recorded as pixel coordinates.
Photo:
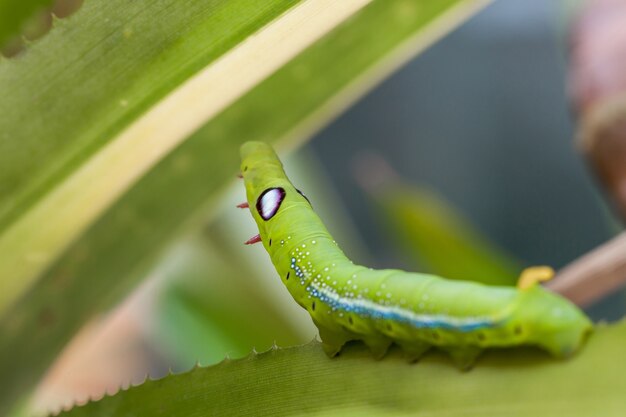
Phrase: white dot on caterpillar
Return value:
(383, 286)
(313, 242)
(388, 295)
(354, 287)
(303, 245)
(349, 282)
(378, 293)
(326, 269)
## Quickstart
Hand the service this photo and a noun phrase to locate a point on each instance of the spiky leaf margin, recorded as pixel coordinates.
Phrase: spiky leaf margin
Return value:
(303, 381)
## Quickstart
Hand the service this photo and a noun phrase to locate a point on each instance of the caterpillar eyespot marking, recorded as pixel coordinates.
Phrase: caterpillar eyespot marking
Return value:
(380, 307)
(269, 202)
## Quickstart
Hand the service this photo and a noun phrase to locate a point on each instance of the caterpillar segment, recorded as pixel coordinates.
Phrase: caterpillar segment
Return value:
(380, 307)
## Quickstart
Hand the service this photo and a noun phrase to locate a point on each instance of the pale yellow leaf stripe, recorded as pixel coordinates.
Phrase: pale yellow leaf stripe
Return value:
(41, 234)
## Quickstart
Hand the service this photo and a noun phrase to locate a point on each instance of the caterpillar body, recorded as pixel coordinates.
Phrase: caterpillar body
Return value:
(379, 307)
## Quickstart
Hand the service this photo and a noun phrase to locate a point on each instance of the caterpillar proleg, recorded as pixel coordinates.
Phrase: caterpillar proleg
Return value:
(379, 307)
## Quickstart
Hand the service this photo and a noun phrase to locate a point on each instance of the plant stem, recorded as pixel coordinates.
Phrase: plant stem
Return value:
(595, 274)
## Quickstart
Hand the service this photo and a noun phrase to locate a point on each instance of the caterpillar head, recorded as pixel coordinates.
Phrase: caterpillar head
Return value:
(269, 192)
(550, 322)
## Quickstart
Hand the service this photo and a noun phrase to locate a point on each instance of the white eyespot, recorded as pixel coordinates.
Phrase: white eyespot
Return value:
(269, 202)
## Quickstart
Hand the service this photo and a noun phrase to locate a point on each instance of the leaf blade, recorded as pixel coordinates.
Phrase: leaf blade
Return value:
(303, 381)
(36, 237)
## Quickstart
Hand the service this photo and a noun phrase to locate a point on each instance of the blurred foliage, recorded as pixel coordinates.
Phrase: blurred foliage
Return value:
(433, 236)
(211, 307)
(302, 381)
(88, 80)
(428, 231)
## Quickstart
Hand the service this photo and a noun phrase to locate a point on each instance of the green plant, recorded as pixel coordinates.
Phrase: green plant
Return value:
(120, 133)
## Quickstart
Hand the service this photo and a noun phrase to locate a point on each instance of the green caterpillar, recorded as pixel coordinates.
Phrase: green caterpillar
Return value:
(379, 307)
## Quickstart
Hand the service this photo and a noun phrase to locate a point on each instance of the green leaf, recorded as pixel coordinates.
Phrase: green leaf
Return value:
(118, 59)
(428, 230)
(87, 80)
(303, 381)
